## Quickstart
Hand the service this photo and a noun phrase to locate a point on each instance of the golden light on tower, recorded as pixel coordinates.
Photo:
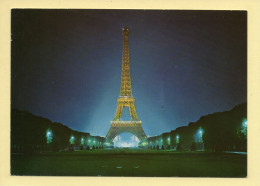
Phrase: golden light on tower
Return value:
(126, 99)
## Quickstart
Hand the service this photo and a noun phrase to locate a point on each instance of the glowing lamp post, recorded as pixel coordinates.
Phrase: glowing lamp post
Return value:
(244, 128)
(72, 140)
(169, 140)
(89, 141)
(177, 139)
(245, 123)
(200, 135)
(49, 136)
(82, 141)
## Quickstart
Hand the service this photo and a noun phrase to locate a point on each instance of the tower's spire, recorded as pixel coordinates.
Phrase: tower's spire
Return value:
(126, 89)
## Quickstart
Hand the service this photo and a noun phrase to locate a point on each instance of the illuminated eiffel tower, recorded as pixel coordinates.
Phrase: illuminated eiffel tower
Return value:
(125, 99)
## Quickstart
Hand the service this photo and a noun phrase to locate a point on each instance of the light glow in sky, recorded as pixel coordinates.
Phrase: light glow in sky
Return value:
(66, 65)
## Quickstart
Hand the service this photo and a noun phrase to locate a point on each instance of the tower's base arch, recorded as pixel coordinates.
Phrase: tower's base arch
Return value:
(118, 127)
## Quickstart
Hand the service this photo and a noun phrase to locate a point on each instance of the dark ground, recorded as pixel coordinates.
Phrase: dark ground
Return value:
(130, 162)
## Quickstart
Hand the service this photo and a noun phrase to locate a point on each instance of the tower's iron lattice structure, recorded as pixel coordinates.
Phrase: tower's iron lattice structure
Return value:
(125, 99)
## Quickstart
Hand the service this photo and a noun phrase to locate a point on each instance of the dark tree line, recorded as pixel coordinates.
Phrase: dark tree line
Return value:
(28, 134)
(221, 131)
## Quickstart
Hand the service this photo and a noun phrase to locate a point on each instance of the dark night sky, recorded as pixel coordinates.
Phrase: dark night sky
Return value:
(66, 65)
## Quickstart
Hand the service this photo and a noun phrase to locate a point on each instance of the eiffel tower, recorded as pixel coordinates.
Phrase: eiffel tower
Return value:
(125, 99)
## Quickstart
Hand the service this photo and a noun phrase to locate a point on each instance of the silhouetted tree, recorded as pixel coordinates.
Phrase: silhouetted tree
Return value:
(163, 148)
(193, 146)
(178, 147)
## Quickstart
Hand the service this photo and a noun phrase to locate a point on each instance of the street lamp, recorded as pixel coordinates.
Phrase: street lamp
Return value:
(177, 139)
(200, 135)
(82, 141)
(72, 140)
(169, 140)
(244, 127)
(49, 136)
(245, 122)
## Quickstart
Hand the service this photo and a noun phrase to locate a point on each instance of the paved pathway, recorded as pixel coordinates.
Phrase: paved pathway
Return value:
(233, 152)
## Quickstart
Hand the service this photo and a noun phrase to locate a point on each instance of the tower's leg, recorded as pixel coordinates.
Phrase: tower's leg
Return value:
(133, 111)
(119, 111)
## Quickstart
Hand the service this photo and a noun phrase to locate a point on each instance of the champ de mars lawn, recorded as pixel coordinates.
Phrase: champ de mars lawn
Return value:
(130, 162)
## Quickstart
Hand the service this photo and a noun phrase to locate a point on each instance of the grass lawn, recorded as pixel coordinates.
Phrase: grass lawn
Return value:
(130, 162)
